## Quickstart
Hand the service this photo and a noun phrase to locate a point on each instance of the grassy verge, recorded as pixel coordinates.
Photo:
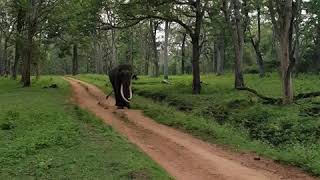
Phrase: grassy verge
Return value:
(289, 134)
(43, 136)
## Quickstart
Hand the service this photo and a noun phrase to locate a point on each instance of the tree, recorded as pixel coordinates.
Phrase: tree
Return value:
(283, 27)
(166, 55)
(20, 14)
(256, 40)
(235, 23)
(183, 52)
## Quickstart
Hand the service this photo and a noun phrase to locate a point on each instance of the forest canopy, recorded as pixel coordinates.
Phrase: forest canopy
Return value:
(168, 37)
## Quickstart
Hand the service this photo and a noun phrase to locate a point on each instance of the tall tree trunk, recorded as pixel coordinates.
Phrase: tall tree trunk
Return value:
(28, 59)
(183, 53)
(1, 56)
(17, 56)
(31, 24)
(114, 61)
(166, 55)
(317, 42)
(220, 54)
(5, 57)
(75, 63)
(238, 42)
(214, 57)
(196, 49)
(285, 50)
(18, 48)
(38, 69)
(130, 53)
(195, 65)
(153, 33)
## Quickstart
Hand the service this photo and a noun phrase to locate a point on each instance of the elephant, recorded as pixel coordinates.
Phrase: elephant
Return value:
(121, 80)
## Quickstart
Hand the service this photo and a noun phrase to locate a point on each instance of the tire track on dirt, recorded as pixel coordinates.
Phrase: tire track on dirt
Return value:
(182, 155)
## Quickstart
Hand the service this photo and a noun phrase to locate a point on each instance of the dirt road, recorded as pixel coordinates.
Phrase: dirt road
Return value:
(181, 155)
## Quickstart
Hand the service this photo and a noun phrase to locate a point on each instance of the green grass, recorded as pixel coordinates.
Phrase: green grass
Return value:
(44, 136)
(223, 115)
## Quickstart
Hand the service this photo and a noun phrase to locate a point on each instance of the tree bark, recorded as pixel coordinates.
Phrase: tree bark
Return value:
(75, 63)
(5, 57)
(196, 49)
(18, 47)
(28, 59)
(195, 65)
(1, 55)
(286, 70)
(214, 57)
(166, 55)
(238, 40)
(183, 53)
(260, 63)
(256, 43)
(38, 70)
(220, 54)
(114, 61)
(153, 31)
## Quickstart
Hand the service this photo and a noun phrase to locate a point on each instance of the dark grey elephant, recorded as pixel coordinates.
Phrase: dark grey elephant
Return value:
(121, 79)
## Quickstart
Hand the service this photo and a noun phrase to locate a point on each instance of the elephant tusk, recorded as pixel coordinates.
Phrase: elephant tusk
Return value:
(122, 95)
(130, 97)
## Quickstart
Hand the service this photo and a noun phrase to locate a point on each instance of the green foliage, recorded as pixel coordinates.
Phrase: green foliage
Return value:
(43, 136)
(221, 114)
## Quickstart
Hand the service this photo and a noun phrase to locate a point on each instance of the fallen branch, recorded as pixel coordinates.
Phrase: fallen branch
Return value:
(269, 100)
(165, 81)
(307, 95)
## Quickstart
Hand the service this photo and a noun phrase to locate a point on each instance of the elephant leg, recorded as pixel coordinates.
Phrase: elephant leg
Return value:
(119, 100)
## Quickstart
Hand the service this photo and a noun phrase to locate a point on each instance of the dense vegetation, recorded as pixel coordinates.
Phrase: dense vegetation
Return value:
(224, 115)
(43, 136)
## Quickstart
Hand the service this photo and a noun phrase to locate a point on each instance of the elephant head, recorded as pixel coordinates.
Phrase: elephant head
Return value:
(121, 80)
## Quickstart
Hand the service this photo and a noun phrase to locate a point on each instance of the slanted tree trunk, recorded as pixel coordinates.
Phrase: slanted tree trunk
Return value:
(256, 43)
(256, 46)
(183, 53)
(75, 63)
(166, 55)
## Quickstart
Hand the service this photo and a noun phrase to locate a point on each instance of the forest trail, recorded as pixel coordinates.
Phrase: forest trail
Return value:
(180, 154)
